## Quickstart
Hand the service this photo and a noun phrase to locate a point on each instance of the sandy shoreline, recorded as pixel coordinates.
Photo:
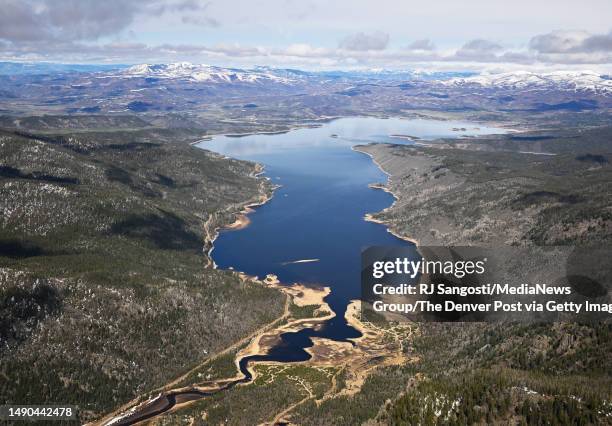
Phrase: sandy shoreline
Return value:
(242, 220)
(300, 295)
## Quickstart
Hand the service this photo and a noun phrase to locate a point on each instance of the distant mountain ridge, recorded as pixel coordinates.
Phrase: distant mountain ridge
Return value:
(202, 73)
(561, 80)
(519, 80)
(185, 87)
(211, 73)
(580, 81)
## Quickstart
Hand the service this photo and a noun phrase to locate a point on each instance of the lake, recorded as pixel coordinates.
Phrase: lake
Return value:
(317, 213)
(318, 210)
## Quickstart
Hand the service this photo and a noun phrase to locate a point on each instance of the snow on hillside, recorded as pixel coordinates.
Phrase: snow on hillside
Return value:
(579, 81)
(521, 80)
(202, 73)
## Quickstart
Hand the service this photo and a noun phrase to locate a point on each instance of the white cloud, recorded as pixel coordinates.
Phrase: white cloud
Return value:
(112, 31)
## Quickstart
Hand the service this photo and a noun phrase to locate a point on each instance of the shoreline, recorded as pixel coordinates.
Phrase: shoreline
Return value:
(300, 295)
(314, 123)
(386, 188)
(241, 216)
(508, 126)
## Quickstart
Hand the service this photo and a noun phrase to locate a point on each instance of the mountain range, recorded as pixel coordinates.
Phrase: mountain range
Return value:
(205, 89)
(563, 80)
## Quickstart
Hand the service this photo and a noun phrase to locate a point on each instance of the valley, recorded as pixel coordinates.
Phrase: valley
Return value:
(132, 197)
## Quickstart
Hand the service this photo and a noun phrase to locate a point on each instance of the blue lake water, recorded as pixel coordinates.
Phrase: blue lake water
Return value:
(318, 211)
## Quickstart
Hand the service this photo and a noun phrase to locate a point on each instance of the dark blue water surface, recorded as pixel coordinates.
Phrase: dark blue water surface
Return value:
(318, 212)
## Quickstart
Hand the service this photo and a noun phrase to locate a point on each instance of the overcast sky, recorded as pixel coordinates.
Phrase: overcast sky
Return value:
(313, 34)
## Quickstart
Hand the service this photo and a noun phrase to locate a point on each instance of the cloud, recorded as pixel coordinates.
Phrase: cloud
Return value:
(424, 44)
(572, 47)
(63, 20)
(571, 42)
(598, 43)
(158, 8)
(18, 23)
(558, 41)
(480, 46)
(302, 50)
(99, 31)
(299, 55)
(197, 19)
(26, 21)
(203, 21)
(479, 50)
(365, 41)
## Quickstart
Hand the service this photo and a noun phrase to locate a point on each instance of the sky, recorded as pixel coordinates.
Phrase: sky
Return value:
(313, 34)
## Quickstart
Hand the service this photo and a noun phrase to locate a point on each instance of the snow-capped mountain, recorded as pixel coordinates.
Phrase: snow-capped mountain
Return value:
(202, 73)
(579, 81)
